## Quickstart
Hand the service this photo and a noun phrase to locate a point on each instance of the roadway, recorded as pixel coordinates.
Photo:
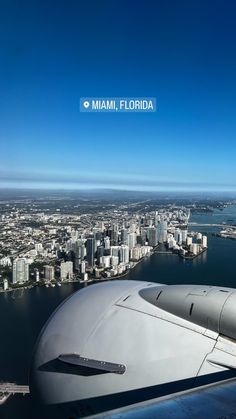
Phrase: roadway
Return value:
(13, 388)
(212, 225)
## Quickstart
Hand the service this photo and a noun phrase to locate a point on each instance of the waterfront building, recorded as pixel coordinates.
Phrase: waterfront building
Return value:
(194, 248)
(85, 276)
(49, 273)
(124, 253)
(135, 253)
(162, 232)
(189, 241)
(36, 275)
(66, 270)
(83, 267)
(20, 270)
(199, 237)
(152, 236)
(204, 241)
(171, 242)
(5, 284)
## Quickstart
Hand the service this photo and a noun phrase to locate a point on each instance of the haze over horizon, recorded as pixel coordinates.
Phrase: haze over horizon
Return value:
(182, 53)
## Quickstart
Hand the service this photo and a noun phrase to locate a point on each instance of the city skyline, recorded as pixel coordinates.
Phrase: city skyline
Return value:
(50, 245)
(183, 54)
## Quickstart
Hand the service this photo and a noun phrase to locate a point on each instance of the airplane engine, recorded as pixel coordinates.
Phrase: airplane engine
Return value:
(121, 342)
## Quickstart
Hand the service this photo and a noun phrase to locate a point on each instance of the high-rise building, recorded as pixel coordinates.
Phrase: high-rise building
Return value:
(115, 250)
(102, 225)
(98, 236)
(20, 270)
(85, 276)
(143, 234)
(132, 240)
(100, 252)
(115, 234)
(105, 261)
(133, 227)
(5, 284)
(39, 248)
(178, 236)
(194, 248)
(189, 241)
(114, 260)
(152, 236)
(79, 251)
(184, 235)
(107, 242)
(49, 272)
(66, 270)
(204, 241)
(157, 218)
(90, 246)
(162, 232)
(171, 242)
(199, 237)
(124, 253)
(36, 275)
(135, 253)
(124, 236)
(83, 267)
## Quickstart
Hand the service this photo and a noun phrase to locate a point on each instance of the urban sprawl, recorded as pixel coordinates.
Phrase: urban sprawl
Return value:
(48, 248)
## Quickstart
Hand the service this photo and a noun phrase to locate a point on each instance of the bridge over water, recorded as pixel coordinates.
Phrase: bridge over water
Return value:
(8, 389)
(212, 225)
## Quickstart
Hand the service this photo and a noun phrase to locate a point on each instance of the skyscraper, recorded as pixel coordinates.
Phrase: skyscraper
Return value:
(49, 272)
(5, 284)
(132, 240)
(107, 242)
(100, 252)
(162, 232)
(115, 234)
(204, 241)
(90, 246)
(124, 236)
(124, 253)
(79, 251)
(66, 270)
(152, 236)
(20, 270)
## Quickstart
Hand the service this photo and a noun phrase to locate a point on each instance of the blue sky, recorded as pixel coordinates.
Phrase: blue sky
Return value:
(181, 52)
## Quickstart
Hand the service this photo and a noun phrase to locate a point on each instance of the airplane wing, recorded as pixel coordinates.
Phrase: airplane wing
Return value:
(214, 401)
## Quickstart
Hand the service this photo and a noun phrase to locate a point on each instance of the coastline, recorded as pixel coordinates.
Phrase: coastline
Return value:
(102, 279)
